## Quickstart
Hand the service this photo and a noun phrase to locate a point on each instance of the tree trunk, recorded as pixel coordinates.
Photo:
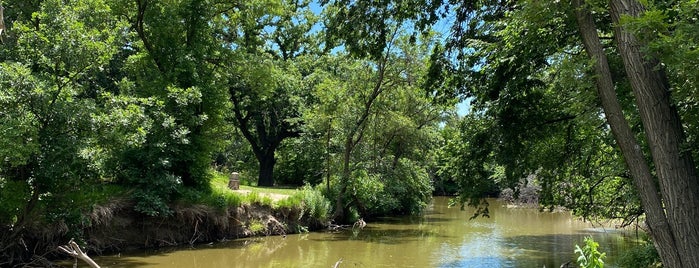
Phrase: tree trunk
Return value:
(266, 175)
(633, 156)
(663, 128)
(339, 214)
(355, 136)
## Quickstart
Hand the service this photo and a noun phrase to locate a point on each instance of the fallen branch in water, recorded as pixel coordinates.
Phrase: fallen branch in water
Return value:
(337, 264)
(335, 227)
(359, 224)
(72, 249)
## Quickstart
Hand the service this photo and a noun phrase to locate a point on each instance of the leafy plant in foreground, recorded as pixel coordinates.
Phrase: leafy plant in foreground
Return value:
(590, 257)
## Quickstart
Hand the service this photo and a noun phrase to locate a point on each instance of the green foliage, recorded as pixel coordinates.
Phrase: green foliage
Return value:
(255, 197)
(13, 196)
(257, 227)
(315, 203)
(669, 31)
(641, 255)
(45, 108)
(301, 161)
(220, 198)
(311, 201)
(589, 256)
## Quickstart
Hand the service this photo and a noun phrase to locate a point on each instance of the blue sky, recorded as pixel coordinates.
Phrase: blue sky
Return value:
(443, 26)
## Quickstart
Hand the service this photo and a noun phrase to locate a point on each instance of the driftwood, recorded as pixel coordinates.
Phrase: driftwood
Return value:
(337, 264)
(72, 249)
(360, 224)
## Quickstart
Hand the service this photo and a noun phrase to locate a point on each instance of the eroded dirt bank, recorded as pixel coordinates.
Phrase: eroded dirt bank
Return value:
(116, 227)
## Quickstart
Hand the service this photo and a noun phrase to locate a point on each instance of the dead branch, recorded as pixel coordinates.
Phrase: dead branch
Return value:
(72, 249)
(360, 224)
(337, 264)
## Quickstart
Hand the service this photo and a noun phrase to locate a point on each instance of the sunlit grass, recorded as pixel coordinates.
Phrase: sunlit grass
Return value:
(259, 195)
(270, 190)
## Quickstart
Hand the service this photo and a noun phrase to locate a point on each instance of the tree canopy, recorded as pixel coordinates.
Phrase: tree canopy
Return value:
(591, 105)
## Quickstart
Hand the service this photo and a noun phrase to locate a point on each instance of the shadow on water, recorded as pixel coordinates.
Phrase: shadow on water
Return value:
(412, 220)
(155, 257)
(381, 235)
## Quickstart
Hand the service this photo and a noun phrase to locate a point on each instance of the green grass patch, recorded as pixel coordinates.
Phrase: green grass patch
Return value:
(256, 227)
(270, 190)
(311, 200)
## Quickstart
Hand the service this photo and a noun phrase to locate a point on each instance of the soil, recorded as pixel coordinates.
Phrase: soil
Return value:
(116, 227)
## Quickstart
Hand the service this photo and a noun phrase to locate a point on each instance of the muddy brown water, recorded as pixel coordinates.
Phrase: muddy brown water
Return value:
(442, 237)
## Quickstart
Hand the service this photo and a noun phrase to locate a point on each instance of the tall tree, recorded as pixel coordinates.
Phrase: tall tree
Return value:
(45, 111)
(675, 167)
(266, 110)
(635, 160)
(266, 78)
(504, 50)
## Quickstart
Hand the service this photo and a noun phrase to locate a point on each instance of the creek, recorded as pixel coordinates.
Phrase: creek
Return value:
(441, 237)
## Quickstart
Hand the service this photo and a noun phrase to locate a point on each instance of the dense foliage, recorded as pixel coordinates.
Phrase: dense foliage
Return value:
(143, 100)
(584, 99)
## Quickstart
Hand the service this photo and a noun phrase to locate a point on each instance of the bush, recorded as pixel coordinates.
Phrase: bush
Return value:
(590, 257)
(315, 203)
(642, 255)
(310, 200)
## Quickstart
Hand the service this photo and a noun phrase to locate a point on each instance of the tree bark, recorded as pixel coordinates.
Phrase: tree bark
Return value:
(633, 156)
(663, 128)
(266, 175)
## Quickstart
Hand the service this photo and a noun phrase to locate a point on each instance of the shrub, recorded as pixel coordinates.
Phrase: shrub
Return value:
(257, 227)
(315, 203)
(642, 255)
(590, 257)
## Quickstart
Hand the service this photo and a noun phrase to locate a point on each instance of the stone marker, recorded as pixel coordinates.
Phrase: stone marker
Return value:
(234, 181)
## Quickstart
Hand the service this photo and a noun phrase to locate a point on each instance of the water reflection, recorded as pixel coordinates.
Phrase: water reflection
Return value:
(443, 237)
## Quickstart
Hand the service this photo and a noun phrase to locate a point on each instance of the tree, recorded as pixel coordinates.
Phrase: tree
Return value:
(634, 157)
(377, 129)
(173, 63)
(45, 116)
(651, 92)
(265, 109)
(674, 166)
(267, 94)
(505, 50)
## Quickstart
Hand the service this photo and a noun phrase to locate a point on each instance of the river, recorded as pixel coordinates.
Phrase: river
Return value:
(442, 237)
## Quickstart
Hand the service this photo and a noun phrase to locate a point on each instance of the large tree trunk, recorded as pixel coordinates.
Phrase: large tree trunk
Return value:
(633, 156)
(663, 128)
(266, 175)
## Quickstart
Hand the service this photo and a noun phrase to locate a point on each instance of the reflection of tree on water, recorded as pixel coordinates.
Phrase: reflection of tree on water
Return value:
(442, 237)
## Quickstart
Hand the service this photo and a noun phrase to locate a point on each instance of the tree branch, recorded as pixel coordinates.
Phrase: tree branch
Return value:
(72, 249)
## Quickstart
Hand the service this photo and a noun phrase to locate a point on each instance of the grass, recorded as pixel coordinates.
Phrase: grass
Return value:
(312, 200)
(270, 190)
(220, 181)
(219, 186)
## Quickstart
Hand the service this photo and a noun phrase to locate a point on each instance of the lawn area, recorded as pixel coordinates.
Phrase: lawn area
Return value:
(269, 190)
(220, 183)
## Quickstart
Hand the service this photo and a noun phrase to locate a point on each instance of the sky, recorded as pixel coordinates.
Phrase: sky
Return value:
(442, 26)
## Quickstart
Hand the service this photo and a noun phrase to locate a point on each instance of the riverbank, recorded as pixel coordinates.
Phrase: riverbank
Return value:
(442, 236)
(115, 226)
(120, 228)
